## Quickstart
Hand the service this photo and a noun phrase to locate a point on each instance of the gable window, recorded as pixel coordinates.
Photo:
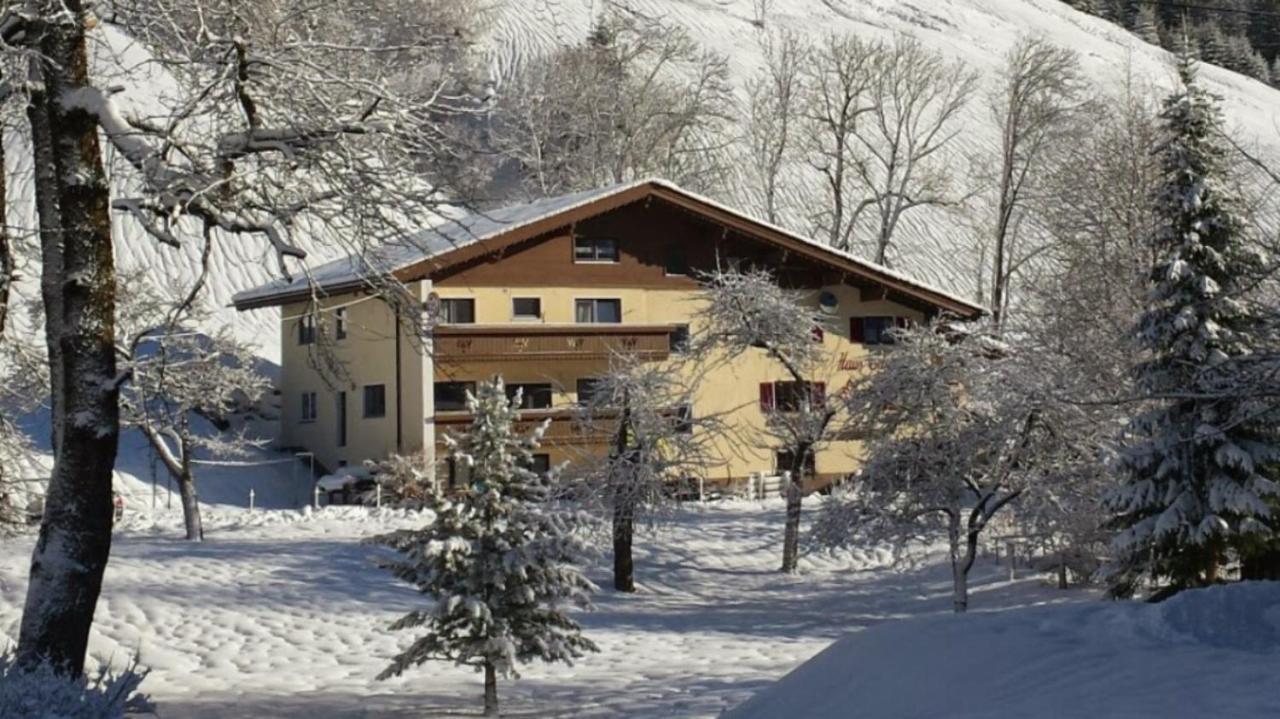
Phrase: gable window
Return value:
(375, 401)
(678, 339)
(597, 311)
(340, 323)
(539, 464)
(307, 330)
(677, 261)
(874, 330)
(458, 311)
(526, 308)
(532, 396)
(587, 387)
(791, 396)
(595, 249)
(452, 396)
(309, 407)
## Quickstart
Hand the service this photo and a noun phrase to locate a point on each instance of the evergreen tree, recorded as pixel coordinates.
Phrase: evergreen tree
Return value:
(1194, 461)
(497, 562)
(1146, 25)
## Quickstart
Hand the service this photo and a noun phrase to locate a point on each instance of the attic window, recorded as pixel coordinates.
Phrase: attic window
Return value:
(595, 249)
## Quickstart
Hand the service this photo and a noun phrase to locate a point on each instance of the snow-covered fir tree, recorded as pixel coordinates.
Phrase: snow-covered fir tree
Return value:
(497, 563)
(1196, 460)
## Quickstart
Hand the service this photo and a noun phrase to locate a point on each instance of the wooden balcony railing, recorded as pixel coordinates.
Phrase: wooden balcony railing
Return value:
(566, 426)
(456, 343)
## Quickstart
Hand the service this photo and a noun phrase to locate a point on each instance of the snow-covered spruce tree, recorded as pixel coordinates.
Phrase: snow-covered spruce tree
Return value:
(749, 312)
(1196, 461)
(498, 562)
(656, 447)
(404, 480)
(950, 443)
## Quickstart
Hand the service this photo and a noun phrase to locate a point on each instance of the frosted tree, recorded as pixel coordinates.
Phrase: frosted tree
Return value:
(657, 447)
(497, 563)
(747, 311)
(953, 438)
(185, 390)
(1197, 459)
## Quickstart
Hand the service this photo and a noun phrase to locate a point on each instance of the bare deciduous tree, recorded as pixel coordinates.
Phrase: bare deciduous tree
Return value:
(883, 114)
(637, 98)
(773, 108)
(1038, 105)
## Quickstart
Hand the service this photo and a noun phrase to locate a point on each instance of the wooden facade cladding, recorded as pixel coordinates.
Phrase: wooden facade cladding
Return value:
(566, 427)
(454, 344)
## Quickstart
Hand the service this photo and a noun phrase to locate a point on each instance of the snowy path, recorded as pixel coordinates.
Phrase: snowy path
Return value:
(278, 617)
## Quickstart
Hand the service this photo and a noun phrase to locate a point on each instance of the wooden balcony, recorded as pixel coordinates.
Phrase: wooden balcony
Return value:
(472, 343)
(565, 428)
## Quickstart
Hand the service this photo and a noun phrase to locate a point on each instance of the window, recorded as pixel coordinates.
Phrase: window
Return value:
(597, 311)
(684, 419)
(874, 330)
(540, 464)
(309, 407)
(679, 339)
(307, 330)
(340, 323)
(342, 419)
(458, 311)
(526, 308)
(595, 249)
(375, 400)
(532, 396)
(452, 396)
(786, 461)
(677, 261)
(791, 396)
(587, 387)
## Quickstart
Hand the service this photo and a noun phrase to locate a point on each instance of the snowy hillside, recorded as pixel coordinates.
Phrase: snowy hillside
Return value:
(936, 248)
(1203, 653)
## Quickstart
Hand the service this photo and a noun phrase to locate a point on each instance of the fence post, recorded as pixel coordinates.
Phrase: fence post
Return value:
(251, 495)
(377, 495)
(702, 494)
(315, 498)
(1013, 561)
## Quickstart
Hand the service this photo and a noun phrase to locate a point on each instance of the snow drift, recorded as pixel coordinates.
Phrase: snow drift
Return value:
(1202, 653)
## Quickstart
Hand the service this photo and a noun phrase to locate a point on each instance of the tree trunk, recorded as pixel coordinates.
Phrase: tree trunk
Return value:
(190, 502)
(959, 569)
(490, 690)
(624, 575)
(78, 288)
(791, 537)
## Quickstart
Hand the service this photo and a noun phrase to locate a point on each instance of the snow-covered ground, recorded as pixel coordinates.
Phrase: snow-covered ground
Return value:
(1207, 653)
(282, 613)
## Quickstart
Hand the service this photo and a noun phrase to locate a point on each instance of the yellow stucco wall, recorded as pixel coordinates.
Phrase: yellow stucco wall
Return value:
(730, 390)
(366, 357)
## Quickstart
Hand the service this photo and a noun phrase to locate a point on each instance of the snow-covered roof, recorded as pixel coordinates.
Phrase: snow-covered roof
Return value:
(355, 270)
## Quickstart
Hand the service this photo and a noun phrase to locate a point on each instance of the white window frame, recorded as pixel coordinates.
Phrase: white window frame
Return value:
(594, 321)
(444, 302)
(340, 326)
(526, 318)
(309, 402)
(617, 251)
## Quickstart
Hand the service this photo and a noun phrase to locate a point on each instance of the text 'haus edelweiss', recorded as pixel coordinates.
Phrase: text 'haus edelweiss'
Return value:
(543, 294)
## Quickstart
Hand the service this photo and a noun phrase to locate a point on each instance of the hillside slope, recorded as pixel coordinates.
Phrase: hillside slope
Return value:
(937, 247)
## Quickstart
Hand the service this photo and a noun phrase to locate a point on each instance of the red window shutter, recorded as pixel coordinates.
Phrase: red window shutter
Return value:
(857, 329)
(818, 334)
(766, 396)
(818, 394)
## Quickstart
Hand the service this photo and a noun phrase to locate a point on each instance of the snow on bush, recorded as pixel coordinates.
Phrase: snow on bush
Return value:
(42, 694)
